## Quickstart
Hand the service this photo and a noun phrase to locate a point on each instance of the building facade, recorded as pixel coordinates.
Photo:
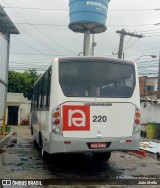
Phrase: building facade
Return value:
(17, 109)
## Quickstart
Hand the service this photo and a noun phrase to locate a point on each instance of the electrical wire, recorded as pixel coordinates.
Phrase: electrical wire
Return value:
(58, 9)
(28, 8)
(65, 25)
(153, 36)
(27, 60)
(39, 24)
(40, 30)
(24, 53)
(145, 31)
(131, 44)
(32, 47)
(127, 42)
(38, 40)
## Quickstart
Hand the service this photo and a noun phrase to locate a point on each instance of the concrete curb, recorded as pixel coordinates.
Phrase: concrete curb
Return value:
(5, 139)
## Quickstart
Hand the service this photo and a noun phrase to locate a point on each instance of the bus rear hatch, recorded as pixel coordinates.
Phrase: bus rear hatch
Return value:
(97, 120)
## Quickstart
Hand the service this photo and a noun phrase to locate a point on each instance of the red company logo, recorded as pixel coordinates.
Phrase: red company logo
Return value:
(76, 118)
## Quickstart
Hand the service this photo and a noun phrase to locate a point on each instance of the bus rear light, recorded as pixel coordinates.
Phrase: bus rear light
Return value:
(137, 121)
(56, 121)
(57, 129)
(138, 114)
(67, 142)
(56, 114)
(124, 141)
(136, 124)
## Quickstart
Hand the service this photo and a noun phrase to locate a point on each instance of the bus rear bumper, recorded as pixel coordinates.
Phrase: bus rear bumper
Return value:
(59, 144)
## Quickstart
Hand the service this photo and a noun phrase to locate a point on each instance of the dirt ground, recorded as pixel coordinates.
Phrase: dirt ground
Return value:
(19, 159)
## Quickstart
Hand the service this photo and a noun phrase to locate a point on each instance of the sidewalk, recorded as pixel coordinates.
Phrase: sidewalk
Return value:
(14, 129)
(5, 139)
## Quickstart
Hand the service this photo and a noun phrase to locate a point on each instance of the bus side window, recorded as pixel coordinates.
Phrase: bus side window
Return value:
(41, 91)
(46, 89)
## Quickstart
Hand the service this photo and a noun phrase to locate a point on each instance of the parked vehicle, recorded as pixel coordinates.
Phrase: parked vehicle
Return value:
(87, 104)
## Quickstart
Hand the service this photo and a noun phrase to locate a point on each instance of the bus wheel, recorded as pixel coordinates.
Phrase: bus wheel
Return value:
(45, 155)
(102, 156)
(31, 130)
(35, 143)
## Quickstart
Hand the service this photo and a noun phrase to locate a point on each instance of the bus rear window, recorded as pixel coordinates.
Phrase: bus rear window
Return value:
(97, 79)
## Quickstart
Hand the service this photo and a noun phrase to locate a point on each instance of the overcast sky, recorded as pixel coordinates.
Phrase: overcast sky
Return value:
(44, 33)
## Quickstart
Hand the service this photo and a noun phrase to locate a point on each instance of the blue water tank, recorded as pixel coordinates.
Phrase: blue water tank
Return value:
(88, 15)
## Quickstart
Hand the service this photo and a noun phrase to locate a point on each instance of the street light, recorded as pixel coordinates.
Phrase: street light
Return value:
(152, 56)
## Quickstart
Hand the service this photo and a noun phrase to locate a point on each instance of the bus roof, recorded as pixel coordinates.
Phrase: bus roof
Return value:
(91, 58)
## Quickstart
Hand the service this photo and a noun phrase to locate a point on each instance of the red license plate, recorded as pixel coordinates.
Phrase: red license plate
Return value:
(98, 145)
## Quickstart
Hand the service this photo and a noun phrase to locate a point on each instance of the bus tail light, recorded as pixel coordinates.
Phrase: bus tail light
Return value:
(56, 120)
(136, 125)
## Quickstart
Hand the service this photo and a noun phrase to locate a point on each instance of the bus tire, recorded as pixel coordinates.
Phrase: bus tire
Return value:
(40, 139)
(35, 143)
(31, 130)
(45, 155)
(102, 156)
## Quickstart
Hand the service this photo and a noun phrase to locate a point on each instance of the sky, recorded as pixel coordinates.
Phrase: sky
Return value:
(44, 33)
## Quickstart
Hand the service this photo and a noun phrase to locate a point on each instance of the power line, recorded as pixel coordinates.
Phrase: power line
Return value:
(65, 25)
(153, 36)
(28, 8)
(28, 63)
(144, 31)
(152, 33)
(39, 24)
(32, 47)
(131, 44)
(41, 31)
(127, 42)
(134, 10)
(24, 53)
(38, 69)
(38, 40)
(26, 60)
(128, 25)
(59, 9)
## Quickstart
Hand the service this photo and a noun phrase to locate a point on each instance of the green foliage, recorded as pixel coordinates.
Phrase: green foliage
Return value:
(22, 82)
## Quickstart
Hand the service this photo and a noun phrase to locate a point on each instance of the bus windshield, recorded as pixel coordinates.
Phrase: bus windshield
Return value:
(109, 79)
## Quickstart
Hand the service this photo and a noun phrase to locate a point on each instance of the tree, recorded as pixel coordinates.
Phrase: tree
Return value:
(22, 82)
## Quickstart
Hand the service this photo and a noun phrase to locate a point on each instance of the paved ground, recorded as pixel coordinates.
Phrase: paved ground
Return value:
(19, 159)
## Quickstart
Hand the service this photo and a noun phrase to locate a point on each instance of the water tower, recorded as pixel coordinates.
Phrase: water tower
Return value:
(88, 17)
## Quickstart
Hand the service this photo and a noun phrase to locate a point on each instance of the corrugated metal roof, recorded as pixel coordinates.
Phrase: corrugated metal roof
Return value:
(6, 25)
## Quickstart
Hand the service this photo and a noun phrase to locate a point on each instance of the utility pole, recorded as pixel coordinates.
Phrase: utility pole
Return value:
(123, 33)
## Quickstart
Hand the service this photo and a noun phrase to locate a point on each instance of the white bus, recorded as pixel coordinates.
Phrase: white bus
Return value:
(87, 104)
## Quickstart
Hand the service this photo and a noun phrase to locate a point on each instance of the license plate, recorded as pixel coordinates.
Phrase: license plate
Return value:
(98, 145)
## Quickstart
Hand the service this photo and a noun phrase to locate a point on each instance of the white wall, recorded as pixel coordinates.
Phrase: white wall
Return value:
(150, 112)
(24, 112)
